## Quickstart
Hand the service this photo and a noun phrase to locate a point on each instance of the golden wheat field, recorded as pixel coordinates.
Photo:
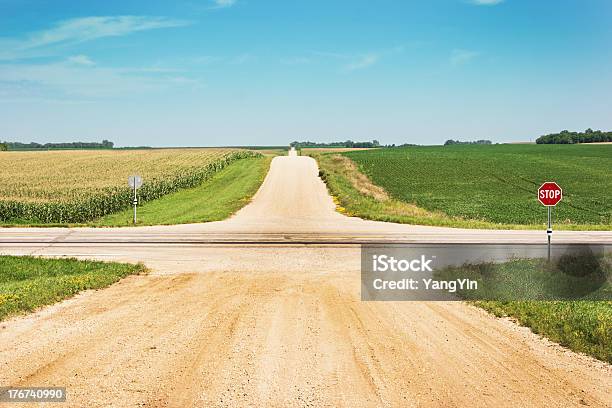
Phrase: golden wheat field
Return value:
(79, 185)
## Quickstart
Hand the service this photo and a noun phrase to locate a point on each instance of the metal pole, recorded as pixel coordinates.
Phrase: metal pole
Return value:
(549, 231)
(134, 202)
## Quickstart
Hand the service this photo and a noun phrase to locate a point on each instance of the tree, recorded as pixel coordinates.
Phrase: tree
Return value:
(106, 144)
(567, 137)
(459, 142)
(348, 143)
(3, 147)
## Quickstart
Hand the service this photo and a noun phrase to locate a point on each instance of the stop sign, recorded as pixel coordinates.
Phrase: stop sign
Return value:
(550, 194)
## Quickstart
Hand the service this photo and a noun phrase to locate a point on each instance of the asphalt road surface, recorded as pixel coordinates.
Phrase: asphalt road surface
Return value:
(263, 310)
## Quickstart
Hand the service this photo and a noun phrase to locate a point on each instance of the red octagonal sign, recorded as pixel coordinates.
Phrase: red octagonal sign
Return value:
(550, 194)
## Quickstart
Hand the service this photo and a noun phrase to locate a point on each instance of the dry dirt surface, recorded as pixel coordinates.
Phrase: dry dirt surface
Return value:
(247, 325)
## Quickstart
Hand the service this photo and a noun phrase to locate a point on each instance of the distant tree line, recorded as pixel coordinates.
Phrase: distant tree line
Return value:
(401, 145)
(105, 144)
(459, 142)
(348, 143)
(567, 137)
(3, 147)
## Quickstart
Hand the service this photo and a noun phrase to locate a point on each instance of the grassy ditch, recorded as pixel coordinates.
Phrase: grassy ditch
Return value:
(583, 324)
(216, 199)
(27, 283)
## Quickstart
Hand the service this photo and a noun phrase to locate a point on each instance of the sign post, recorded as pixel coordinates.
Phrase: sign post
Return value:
(135, 182)
(549, 194)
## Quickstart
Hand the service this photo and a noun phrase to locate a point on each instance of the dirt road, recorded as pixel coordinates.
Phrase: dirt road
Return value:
(276, 325)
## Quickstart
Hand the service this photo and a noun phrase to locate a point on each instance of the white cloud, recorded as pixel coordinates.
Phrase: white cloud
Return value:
(335, 55)
(77, 77)
(67, 80)
(242, 59)
(81, 60)
(354, 62)
(78, 30)
(224, 3)
(362, 62)
(206, 59)
(486, 2)
(296, 61)
(460, 57)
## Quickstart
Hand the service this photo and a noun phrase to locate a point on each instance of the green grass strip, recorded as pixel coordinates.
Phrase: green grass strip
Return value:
(27, 283)
(583, 325)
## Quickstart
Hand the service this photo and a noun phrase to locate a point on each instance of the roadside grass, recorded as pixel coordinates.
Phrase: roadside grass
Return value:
(27, 283)
(217, 198)
(583, 324)
(356, 195)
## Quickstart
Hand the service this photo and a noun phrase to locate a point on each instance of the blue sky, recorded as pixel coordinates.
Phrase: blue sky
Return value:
(256, 72)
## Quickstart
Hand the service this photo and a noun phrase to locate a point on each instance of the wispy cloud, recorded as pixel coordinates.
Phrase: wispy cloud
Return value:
(241, 59)
(71, 79)
(362, 62)
(199, 61)
(223, 3)
(296, 60)
(78, 30)
(357, 61)
(486, 2)
(460, 56)
(206, 59)
(328, 54)
(80, 60)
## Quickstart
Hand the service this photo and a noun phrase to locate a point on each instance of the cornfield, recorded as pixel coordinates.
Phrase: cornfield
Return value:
(79, 186)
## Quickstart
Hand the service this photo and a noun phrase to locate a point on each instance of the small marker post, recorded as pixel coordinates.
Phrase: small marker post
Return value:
(135, 203)
(135, 182)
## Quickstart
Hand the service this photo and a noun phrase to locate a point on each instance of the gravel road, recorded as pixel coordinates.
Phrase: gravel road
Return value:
(245, 324)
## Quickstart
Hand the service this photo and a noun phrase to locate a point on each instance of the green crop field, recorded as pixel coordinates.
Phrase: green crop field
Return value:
(494, 184)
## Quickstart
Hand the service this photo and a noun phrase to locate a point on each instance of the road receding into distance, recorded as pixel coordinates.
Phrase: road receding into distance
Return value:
(264, 310)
